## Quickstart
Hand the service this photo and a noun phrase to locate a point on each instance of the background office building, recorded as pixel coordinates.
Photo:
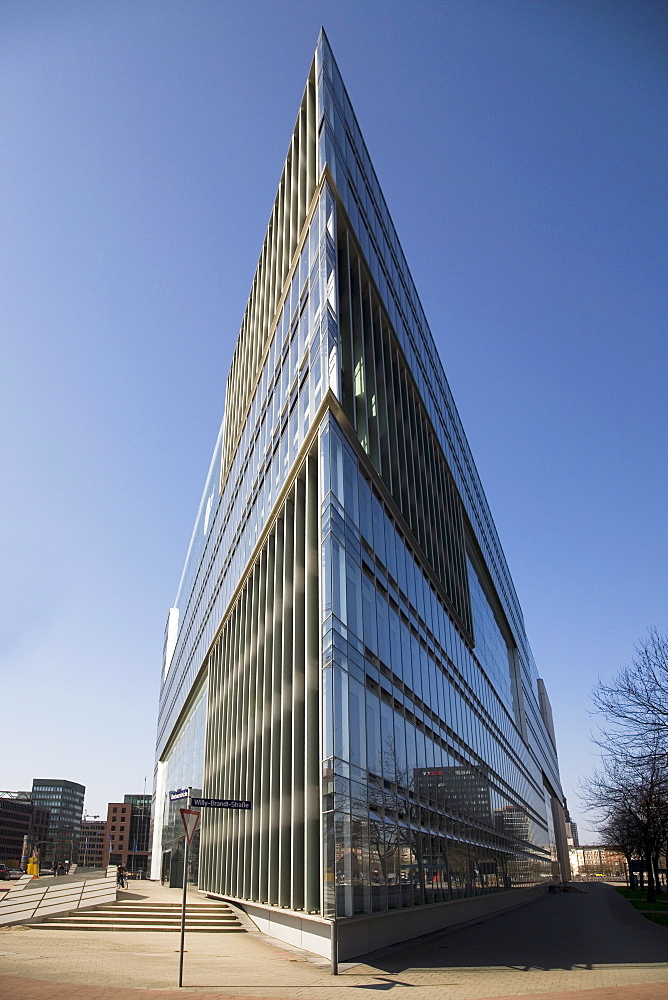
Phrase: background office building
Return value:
(20, 820)
(91, 843)
(598, 863)
(65, 801)
(126, 832)
(572, 838)
(346, 648)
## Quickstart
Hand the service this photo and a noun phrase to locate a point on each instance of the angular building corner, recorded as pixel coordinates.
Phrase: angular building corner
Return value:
(346, 649)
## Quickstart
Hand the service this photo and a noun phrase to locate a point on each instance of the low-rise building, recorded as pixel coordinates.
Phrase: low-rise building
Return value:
(591, 862)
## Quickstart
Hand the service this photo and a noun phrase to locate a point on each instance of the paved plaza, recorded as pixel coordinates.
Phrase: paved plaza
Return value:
(568, 946)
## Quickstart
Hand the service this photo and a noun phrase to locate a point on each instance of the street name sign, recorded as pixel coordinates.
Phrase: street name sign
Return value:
(180, 793)
(220, 803)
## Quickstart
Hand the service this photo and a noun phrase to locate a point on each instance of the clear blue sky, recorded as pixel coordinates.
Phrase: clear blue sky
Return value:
(522, 150)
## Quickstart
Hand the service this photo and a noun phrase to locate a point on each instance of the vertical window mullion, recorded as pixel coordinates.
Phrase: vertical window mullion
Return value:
(381, 399)
(370, 390)
(299, 700)
(286, 749)
(359, 381)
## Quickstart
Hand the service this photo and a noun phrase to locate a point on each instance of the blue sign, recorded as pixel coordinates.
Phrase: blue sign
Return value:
(199, 803)
(180, 793)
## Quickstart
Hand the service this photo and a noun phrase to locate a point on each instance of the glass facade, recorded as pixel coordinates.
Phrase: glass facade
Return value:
(423, 761)
(65, 802)
(183, 769)
(349, 638)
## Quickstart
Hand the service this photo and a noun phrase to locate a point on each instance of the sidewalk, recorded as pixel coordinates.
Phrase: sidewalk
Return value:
(571, 946)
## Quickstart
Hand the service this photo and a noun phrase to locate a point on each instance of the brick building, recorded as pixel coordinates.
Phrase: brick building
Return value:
(126, 832)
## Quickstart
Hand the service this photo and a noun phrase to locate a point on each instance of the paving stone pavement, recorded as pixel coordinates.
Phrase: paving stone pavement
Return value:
(570, 946)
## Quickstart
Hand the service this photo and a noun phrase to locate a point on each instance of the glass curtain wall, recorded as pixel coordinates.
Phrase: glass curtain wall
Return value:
(263, 666)
(343, 153)
(429, 793)
(282, 366)
(184, 769)
(263, 729)
(367, 681)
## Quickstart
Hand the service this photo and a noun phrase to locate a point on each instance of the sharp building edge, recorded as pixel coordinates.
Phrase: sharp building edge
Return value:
(346, 650)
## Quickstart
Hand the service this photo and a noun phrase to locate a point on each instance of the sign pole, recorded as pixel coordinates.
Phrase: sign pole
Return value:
(183, 910)
(190, 820)
(334, 946)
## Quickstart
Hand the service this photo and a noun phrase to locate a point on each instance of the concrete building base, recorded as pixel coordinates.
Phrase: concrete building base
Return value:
(368, 933)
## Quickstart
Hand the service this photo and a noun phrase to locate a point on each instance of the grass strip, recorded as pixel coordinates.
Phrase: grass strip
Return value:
(658, 918)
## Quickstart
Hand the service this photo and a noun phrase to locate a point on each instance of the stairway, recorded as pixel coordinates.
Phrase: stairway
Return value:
(148, 917)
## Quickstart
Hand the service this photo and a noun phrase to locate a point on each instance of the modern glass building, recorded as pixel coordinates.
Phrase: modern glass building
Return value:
(65, 802)
(346, 649)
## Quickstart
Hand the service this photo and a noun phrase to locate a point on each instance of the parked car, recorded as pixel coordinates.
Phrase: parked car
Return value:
(5, 873)
(16, 873)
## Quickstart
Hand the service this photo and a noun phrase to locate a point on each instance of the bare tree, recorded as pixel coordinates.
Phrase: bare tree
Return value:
(635, 703)
(630, 796)
(620, 833)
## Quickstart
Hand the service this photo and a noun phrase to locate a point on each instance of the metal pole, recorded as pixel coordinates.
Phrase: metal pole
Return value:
(183, 904)
(183, 911)
(334, 943)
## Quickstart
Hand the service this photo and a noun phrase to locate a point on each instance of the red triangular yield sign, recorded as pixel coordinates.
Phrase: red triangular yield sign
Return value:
(190, 819)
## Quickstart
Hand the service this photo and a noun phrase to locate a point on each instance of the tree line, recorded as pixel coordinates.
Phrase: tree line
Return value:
(629, 791)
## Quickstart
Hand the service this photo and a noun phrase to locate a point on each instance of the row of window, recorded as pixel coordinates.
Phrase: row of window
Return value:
(407, 591)
(382, 404)
(296, 188)
(403, 624)
(185, 763)
(263, 729)
(286, 400)
(343, 149)
(373, 866)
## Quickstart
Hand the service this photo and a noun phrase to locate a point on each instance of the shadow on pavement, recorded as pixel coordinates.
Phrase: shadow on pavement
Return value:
(563, 931)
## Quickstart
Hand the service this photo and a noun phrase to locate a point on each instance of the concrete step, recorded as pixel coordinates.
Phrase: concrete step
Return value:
(149, 917)
(225, 918)
(109, 918)
(64, 925)
(168, 907)
(175, 914)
